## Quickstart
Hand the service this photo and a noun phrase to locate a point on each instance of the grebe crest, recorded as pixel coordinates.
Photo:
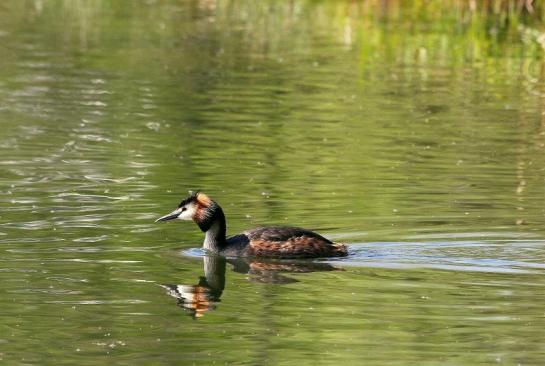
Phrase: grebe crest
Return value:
(273, 241)
(197, 207)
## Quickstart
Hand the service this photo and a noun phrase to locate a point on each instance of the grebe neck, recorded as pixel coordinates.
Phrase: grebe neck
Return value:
(215, 231)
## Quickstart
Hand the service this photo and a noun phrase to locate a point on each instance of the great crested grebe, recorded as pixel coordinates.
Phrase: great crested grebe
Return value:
(272, 241)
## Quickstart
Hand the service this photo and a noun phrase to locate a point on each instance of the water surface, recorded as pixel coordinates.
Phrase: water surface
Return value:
(428, 163)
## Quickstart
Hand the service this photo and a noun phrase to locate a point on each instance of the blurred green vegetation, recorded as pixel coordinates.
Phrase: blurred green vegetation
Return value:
(449, 29)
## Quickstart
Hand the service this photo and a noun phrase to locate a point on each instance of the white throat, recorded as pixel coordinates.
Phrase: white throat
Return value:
(211, 237)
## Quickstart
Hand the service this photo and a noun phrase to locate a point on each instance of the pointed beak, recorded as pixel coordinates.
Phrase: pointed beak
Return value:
(171, 216)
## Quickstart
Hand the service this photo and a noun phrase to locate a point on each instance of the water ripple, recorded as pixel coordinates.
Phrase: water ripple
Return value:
(92, 239)
(481, 257)
(29, 225)
(80, 197)
(97, 302)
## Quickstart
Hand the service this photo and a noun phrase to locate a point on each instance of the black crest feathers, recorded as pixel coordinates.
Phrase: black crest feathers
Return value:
(192, 197)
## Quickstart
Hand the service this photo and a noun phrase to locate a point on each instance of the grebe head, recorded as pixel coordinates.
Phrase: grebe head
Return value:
(197, 207)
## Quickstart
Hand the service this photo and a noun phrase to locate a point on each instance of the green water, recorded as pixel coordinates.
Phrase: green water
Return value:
(421, 153)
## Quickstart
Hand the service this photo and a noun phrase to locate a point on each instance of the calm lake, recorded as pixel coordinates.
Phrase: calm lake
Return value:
(421, 147)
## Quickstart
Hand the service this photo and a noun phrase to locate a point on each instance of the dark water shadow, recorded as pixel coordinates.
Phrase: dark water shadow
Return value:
(203, 296)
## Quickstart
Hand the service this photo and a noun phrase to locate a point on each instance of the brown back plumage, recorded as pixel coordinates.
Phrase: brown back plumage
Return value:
(292, 242)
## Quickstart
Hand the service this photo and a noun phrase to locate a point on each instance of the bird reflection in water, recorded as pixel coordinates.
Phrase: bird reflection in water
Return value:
(202, 297)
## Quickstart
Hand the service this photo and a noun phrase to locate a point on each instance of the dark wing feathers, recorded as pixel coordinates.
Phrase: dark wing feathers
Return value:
(281, 234)
(282, 242)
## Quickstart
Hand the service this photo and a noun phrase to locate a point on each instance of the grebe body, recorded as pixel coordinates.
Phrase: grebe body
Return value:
(272, 241)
